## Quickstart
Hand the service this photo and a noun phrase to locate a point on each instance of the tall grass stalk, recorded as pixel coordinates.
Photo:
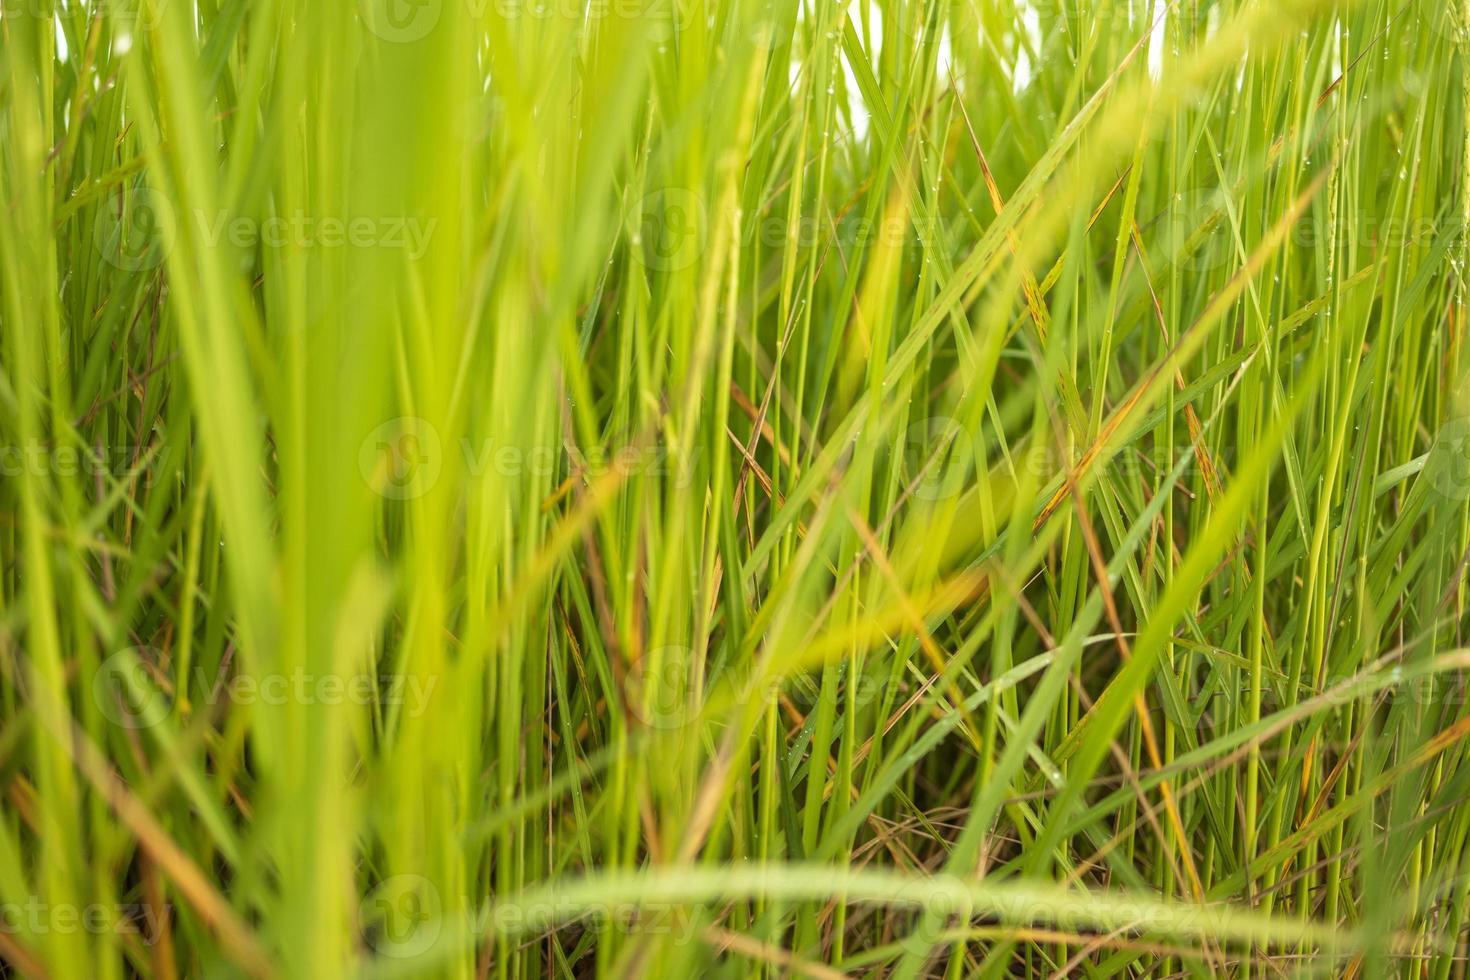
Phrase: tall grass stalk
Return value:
(913, 488)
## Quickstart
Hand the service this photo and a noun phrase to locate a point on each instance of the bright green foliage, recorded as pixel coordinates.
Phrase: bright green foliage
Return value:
(713, 488)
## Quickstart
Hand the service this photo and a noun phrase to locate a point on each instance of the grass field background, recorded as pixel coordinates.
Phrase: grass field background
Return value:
(723, 488)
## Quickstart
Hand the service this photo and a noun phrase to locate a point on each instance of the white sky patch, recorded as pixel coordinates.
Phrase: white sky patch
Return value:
(1156, 42)
(62, 53)
(1339, 35)
(861, 115)
(1021, 74)
(855, 102)
(1023, 71)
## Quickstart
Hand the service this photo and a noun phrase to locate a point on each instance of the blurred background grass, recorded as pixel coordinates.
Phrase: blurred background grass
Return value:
(740, 487)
